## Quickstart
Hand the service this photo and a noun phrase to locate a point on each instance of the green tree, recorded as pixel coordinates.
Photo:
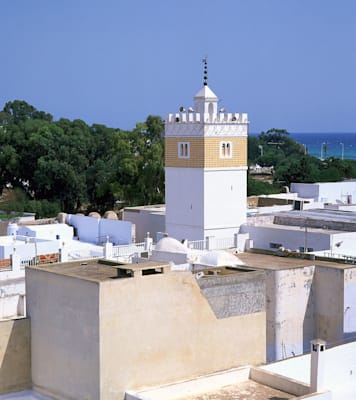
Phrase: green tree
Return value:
(20, 111)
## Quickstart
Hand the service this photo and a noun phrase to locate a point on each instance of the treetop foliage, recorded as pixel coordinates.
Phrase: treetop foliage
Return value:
(79, 166)
(276, 148)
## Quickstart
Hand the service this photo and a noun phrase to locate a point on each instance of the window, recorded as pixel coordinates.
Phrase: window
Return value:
(302, 249)
(184, 150)
(225, 150)
(275, 245)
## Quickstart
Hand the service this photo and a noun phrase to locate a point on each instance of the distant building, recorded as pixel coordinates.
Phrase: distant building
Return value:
(327, 192)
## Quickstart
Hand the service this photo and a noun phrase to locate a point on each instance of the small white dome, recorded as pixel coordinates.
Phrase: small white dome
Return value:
(171, 245)
(219, 258)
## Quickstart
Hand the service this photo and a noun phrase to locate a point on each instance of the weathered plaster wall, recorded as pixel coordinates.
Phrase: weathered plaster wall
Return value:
(235, 295)
(329, 303)
(15, 362)
(145, 221)
(350, 302)
(289, 308)
(160, 328)
(64, 316)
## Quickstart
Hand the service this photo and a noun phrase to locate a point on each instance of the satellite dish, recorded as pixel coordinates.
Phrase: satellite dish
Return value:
(181, 109)
(222, 110)
(190, 109)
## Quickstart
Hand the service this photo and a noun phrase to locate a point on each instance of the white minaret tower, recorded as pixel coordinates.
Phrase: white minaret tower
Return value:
(206, 164)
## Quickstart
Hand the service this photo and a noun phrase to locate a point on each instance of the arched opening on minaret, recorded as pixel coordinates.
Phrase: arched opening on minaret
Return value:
(211, 109)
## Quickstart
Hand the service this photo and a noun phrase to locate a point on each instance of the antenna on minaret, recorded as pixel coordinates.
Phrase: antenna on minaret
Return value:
(205, 62)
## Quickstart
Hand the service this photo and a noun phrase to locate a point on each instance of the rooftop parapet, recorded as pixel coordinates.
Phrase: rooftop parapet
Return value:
(206, 118)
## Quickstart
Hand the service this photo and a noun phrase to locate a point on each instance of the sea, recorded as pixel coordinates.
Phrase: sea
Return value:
(325, 145)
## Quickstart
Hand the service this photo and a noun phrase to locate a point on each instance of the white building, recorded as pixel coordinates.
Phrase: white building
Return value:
(327, 192)
(205, 167)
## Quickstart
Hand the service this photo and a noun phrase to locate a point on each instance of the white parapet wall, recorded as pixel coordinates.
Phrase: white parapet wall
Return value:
(339, 368)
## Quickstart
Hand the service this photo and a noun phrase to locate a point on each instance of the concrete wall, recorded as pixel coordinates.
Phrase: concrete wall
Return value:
(166, 331)
(30, 249)
(167, 256)
(339, 366)
(343, 243)
(47, 231)
(289, 308)
(326, 191)
(304, 303)
(93, 230)
(306, 190)
(349, 306)
(86, 228)
(119, 232)
(64, 316)
(145, 221)
(12, 297)
(329, 303)
(292, 239)
(234, 295)
(15, 363)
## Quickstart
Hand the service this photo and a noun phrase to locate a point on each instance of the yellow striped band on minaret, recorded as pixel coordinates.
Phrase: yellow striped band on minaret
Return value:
(205, 152)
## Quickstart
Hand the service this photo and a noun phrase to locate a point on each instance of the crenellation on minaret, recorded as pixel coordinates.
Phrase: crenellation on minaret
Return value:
(222, 118)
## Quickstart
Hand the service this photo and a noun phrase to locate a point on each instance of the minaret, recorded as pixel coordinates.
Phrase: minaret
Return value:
(205, 167)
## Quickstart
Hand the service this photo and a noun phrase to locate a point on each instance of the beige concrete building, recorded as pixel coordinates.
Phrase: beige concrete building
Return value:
(305, 299)
(98, 330)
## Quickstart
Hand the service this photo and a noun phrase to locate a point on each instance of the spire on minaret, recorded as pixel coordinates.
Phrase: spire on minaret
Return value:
(205, 62)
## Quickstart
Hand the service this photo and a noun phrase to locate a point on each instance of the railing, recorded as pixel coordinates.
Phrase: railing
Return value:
(197, 244)
(225, 243)
(27, 261)
(126, 252)
(212, 243)
(348, 259)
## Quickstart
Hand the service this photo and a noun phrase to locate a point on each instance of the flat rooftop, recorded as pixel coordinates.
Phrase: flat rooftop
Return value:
(95, 270)
(248, 390)
(234, 384)
(274, 262)
(324, 214)
(299, 229)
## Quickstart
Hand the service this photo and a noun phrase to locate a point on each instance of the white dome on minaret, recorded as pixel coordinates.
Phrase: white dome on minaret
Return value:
(206, 101)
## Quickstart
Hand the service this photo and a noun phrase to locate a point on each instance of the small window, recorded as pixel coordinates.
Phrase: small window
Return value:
(183, 149)
(225, 150)
(275, 245)
(302, 249)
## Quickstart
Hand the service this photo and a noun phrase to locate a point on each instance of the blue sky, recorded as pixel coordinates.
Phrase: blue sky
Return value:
(290, 64)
